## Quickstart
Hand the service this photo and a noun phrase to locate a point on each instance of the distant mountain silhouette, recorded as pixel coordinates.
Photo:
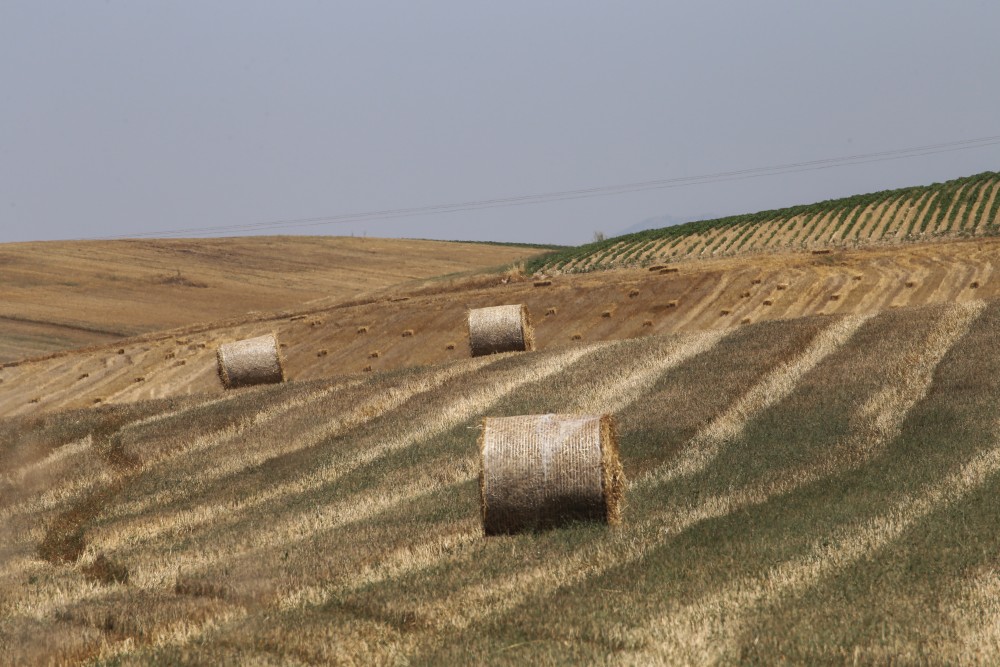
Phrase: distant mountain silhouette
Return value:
(665, 221)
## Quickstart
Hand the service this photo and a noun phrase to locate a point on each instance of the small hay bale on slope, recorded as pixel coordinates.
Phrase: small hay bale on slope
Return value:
(500, 329)
(249, 362)
(542, 471)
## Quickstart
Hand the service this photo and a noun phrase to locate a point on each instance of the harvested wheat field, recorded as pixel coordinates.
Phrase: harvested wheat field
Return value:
(808, 436)
(324, 340)
(67, 294)
(810, 489)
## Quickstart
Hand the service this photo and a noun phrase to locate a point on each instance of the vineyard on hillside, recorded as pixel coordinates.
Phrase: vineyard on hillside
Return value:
(963, 207)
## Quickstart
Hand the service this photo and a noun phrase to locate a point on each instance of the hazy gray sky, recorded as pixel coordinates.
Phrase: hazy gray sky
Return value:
(130, 117)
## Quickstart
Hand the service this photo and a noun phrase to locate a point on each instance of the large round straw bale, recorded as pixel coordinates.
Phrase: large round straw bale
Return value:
(541, 471)
(251, 361)
(500, 329)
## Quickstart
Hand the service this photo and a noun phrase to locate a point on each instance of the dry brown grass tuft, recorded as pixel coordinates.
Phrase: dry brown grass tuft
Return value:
(106, 571)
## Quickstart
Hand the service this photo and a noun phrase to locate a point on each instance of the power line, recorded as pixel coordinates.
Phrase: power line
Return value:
(583, 193)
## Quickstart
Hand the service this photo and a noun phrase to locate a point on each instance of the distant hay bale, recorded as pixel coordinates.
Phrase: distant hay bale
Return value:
(251, 361)
(500, 329)
(543, 471)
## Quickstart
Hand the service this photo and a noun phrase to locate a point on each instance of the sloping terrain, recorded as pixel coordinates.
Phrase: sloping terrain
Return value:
(67, 294)
(811, 490)
(336, 340)
(964, 207)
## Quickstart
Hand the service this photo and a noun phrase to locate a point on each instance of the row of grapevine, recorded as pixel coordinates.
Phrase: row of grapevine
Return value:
(965, 206)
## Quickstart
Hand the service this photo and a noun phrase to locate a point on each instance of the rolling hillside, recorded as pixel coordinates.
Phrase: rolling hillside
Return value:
(812, 490)
(965, 207)
(61, 295)
(341, 340)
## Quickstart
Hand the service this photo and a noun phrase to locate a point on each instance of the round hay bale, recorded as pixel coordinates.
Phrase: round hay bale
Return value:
(251, 361)
(542, 471)
(500, 329)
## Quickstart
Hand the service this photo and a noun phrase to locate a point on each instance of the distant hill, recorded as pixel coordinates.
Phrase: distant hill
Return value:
(65, 294)
(962, 207)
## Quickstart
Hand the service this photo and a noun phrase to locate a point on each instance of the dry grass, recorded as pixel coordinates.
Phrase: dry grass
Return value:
(117, 292)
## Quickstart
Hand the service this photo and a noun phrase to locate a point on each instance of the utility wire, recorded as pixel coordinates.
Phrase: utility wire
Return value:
(582, 193)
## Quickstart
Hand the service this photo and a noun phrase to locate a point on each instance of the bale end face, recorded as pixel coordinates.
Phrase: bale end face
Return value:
(543, 471)
(250, 362)
(500, 329)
